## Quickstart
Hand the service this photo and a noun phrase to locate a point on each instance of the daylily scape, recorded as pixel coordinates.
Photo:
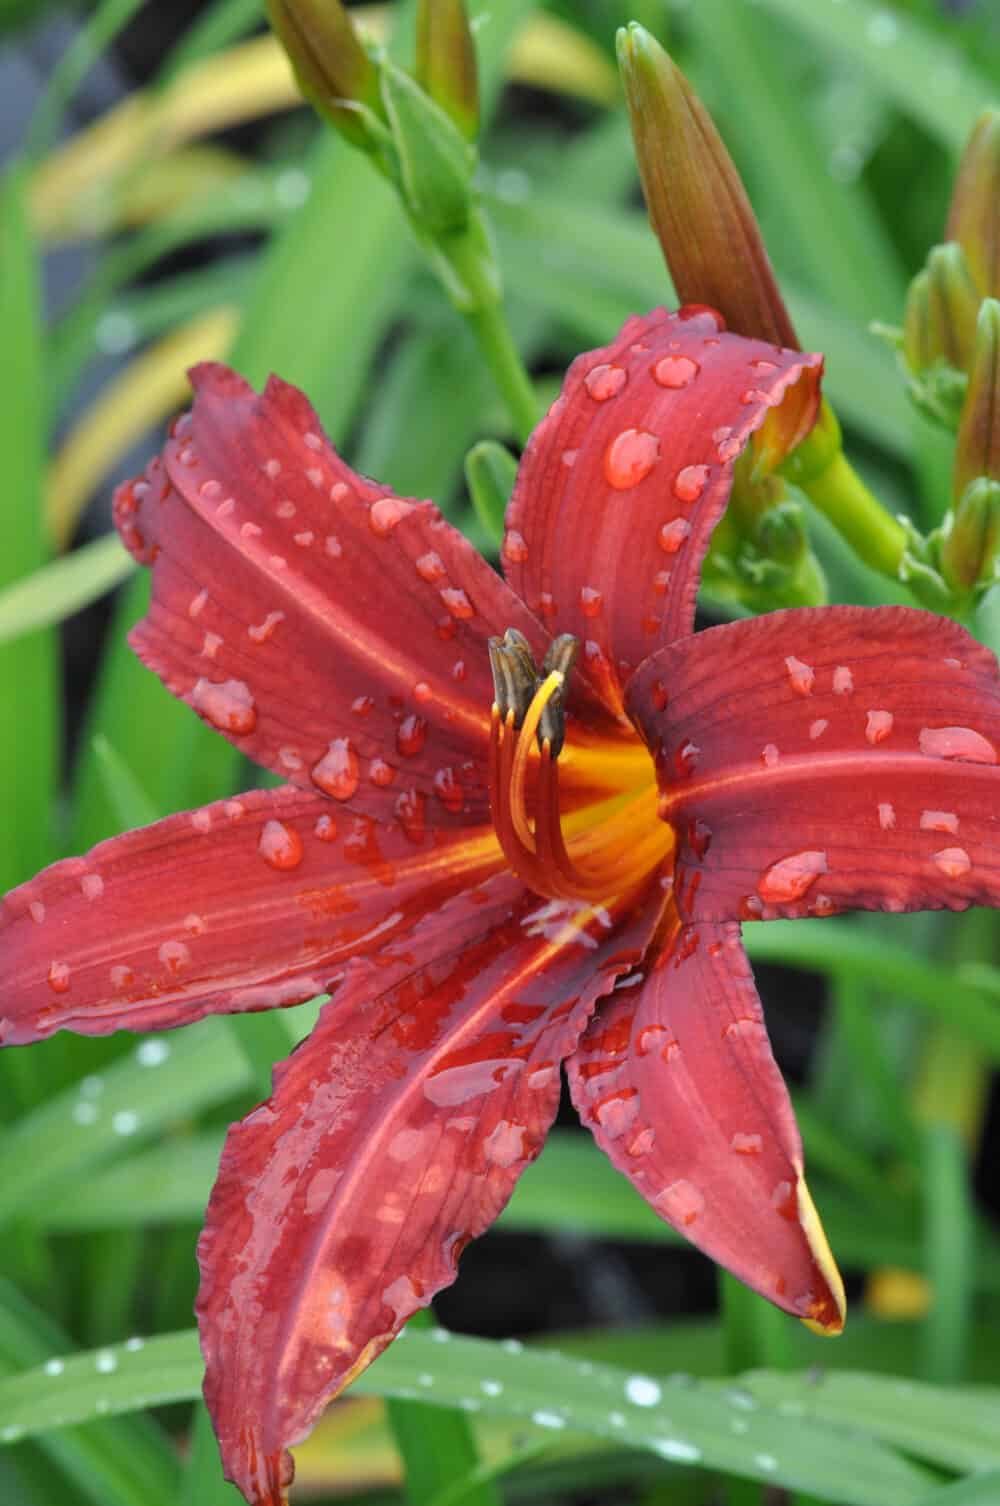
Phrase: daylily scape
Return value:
(523, 817)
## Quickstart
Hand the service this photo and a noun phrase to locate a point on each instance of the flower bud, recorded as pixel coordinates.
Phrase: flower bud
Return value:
(490, 473)
(968, 550)
(977, 452)
(939, 320)
(333, 69)
(781, 534)
(446, 62)
(697, 204)
(433, 161)
(974, 216)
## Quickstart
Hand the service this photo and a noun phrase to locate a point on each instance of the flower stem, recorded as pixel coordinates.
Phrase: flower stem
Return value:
(504, 360)
(875, 536)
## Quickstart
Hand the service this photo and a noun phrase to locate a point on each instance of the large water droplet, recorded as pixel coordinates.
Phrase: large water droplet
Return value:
(457, 602)
(878, 726)
(675, 371)
(843, 680)
(673, 534)
(280, 845)
(514, 550)
(630, 458)
(960, 743)
(58, 977)
(790, 878)
(617, 1113)
(381, 773)
(939, 821)
(954, 862)
(385, 513)
(337, 772)
(411, 734)
(681, 1202)
(689, 483)
(228, 706)
(430, 567)
(605, 381)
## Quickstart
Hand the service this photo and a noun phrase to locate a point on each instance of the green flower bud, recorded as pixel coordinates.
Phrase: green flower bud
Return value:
(446, 62)
(490, 473)
(433, 162)
(968, 549)
(939, 320)
(697, 204)
(977, 452)
(974, 216)
(332, 66)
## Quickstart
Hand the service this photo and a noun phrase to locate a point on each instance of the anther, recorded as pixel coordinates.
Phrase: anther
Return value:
(515, 678)
(560, 657)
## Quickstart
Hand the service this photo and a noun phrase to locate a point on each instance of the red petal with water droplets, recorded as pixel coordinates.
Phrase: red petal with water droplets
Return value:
(623, 482)
(247, 904)
(394, 1135)
(335, 632)
(837, 758)
(676, 1080)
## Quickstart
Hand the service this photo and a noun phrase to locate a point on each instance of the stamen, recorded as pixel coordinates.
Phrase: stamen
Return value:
(552, 683)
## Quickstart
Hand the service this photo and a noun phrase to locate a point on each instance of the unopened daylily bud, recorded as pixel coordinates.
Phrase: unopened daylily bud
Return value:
(433, 160)
(939, 321)
(977, 452)
(968, 550)
(446, 62)
(697, 204)
(974, 216)
(781, 533)
(331, 64)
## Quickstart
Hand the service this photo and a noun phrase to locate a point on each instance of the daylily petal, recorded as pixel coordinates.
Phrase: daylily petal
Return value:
(624, 480)
(333, 631)
(676, 1079)
(246, 904)
(825, 759)
(393, 1136)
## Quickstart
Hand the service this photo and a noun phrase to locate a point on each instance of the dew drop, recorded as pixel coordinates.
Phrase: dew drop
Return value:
(422, 692)
(409, 811)
(800, 675)
(681, 1202)
(122, 977)
(457, 602)
(514, 550)
(152, 1053)
(228, 706)
(337, 772)
(677, 1448)
(92, 886)
(545, 1419)
(675, 371)
(174, 955)
(673, 534)
(58, 977)
(643, 1391)
(197, 603)
(878, 726)
(843, 680)
(54, 1367)
(939, 821)
(954, 862)
(960, 743)
(605, 381)
(769, 755)
(326, 829)
(37, 911)
(333, 546)
(250, 530)
(630, 458)
(304, 539)
(689, 483)
(746, 1145)
(505, 1144)
(381, 773)
(430, 567)
(411, 734)
(448, 789)
(591, 601)
(617, 1113)
(792, 877)
(886, 816)
(818, 727)
(265, 630)
(385, 514)
(280, 845)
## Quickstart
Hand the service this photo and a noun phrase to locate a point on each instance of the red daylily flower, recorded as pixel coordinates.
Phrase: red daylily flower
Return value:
(481, 908)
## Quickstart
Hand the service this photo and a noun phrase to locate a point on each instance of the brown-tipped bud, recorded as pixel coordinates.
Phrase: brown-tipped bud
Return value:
(968, 550)
(977, 452)
(697, 204)
(333, 69)
(446, 62)
(939, 320)
(974, 216)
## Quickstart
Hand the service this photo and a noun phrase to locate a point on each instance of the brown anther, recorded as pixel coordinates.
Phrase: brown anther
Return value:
(560, 655)
(515, 678)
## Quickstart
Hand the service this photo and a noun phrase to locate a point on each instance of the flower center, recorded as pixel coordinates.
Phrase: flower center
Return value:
(608, 839)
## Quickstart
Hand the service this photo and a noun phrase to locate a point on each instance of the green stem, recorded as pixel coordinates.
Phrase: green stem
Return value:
(875, 536)
(503, 358)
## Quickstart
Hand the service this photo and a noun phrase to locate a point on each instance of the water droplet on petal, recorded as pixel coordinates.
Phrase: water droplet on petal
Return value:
(617, 1113)
(337, 772)
(174, 955)
(333, 546)
(197, 603)
(878, 726)
(409, 811)
(381, 773)
(37, 911)
(630, 458)
(939, 821)
(953, 861)
(800, 675)
(675, 371)
(430, 567)
(92, 886)
(960, 743)
(280, 845)
(505, 1145)
(673, 534)
(769, 755)
(681, 1202)
(514, 550)
(689, 483)
(262, 632)
(385, 513)
(605, 381)
(458, 603)
(843, 680)
(326, 829)
(448, 789)
(746, 1145)
(886, 816)
(228, 706)
(591, 601)
(411, 734)
(58, 977)
(790, 878)
(818, 727)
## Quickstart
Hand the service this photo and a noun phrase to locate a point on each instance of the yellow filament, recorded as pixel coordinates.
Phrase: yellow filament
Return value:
(525, 742)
